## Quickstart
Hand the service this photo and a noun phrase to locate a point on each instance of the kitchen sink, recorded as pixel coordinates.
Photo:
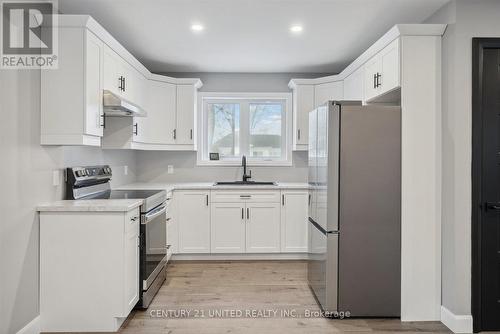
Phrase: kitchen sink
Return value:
(245, 183)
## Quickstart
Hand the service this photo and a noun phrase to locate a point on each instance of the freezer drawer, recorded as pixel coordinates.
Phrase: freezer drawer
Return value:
(322, 267)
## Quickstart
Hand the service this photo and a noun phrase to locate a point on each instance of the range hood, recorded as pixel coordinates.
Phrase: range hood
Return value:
(114, 105)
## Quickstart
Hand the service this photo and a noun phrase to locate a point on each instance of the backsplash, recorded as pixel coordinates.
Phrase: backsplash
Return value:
(152, 167)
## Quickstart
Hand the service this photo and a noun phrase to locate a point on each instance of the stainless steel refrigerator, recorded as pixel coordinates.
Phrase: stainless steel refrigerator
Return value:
(355, 208)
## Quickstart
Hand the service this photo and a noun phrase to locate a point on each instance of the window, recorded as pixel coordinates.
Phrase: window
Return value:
(255, 125)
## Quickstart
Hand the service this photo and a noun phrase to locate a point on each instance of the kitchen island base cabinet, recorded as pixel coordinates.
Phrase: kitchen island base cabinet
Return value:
(89, 270)
(193, 217)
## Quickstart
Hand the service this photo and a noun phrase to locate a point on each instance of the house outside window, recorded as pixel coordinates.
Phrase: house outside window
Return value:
(257, 125)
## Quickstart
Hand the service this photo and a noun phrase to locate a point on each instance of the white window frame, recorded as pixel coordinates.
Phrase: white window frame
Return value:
(202, 154)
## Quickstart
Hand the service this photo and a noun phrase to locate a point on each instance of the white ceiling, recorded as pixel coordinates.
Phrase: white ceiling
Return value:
(249, 35)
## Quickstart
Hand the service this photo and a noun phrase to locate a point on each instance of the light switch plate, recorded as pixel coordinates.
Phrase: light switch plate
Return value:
(56, 177)
(170, 169)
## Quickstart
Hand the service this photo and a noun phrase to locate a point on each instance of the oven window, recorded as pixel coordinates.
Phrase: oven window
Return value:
(153, 249)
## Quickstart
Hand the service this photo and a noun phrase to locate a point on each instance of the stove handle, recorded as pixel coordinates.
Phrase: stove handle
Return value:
(153, 214)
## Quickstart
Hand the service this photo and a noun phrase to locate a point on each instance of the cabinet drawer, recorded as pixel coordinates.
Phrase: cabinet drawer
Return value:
(252, 196)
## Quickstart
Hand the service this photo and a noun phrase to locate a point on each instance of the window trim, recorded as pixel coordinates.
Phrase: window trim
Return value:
(202, 129)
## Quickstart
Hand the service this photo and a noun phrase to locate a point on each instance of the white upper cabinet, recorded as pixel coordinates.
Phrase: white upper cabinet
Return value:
(382, 72)
(353, 85)
(303, 102)
(71, 96)
(327, 92)
(186, 115)
(90, 62)
(161, 110)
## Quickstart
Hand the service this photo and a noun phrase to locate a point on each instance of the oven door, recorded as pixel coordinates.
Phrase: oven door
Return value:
(153, 244)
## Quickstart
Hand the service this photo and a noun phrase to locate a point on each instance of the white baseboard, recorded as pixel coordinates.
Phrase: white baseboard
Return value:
(456, 323)
(33, 327)
(239, 257)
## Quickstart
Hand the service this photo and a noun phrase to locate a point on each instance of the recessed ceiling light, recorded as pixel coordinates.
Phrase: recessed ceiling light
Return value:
(296, 28)
(197, 27)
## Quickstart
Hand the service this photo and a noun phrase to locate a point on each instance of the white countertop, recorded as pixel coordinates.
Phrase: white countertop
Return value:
(211, 186)
(124, 205)
(93, 205)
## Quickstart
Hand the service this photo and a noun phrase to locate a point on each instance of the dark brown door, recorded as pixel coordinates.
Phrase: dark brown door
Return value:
(487, 140)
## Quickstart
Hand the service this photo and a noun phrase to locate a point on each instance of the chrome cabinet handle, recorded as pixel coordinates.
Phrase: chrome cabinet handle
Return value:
(136, 127)
(248, 213)
(298, 134)
(242, 213)
(245, 196)
(207, 200)
(191, 134)
(152, 215)
(174, 134)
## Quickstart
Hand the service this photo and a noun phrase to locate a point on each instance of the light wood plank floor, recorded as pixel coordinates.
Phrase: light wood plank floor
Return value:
(204, 287)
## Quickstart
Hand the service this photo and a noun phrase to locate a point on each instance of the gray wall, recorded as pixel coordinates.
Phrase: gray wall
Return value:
(467, 19)
(246, 82)
(26, 180)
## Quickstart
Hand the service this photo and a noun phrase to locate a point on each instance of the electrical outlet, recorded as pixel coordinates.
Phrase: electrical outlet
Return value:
(125, 170)
(56, 177)
(170, 169)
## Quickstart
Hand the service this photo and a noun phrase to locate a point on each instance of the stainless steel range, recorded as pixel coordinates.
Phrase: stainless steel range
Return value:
(84, 183)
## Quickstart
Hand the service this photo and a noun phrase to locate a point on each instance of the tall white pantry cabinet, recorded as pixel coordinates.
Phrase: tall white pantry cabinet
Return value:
(402, 68)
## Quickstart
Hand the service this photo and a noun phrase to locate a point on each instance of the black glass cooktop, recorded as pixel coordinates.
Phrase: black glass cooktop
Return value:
(124, 194)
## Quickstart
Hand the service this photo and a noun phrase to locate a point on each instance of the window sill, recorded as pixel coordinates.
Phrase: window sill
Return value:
(207, 163)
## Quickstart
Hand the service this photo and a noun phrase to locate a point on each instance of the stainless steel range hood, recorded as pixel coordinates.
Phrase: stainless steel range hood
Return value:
(115, 105)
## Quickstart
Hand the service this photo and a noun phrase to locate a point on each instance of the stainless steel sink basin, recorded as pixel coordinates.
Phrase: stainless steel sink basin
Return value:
(245, 183)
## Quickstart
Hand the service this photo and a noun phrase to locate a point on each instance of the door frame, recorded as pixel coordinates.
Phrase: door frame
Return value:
(478, 47)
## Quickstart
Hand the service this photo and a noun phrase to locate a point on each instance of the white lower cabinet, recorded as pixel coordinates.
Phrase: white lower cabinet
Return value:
(89, 270)
(228, 222)
(263, 228)
(193, 217)
(294, 215)
(238, 222)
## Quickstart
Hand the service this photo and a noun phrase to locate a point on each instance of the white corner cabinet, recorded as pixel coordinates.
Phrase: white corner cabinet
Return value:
(91, 258)
(239, 222)
(90, 61)
(306, 97)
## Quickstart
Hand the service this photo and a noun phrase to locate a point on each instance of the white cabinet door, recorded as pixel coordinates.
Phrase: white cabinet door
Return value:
(353, 85)
(132, 265)
(389, 56)
(303, 102)
(160, 106)
(382, 71)
(263, 227)
(193, 213)
(228, 228)
(94, 117)
(186, 110)
(327, 92)
(113, 71)
(294, 208)
(372, 69)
